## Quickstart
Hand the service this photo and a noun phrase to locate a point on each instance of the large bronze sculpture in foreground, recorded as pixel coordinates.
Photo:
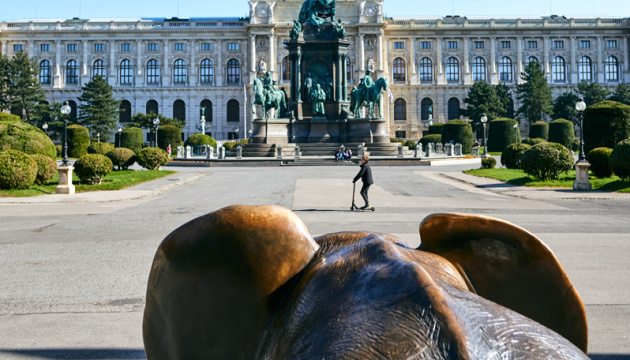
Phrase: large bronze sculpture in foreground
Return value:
(249, 282)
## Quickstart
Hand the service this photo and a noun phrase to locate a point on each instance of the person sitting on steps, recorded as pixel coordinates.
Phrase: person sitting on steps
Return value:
(365, 174)
(347, 154)
(338, 155)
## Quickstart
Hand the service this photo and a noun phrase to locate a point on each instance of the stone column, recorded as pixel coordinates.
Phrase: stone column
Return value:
(493, 62)
(272, 56)
(413, 78)
(193, 63)
(599, 76)
(519, 59)
(220, 66)
(31, 52)
(139, 78)
(438, 63)
(545, 66)
(252, 41)
(626, 61)
(3, 47)
(380, 53)
(57, 76)
(85, 75)
(338, 77)
(112, 64)
(166, 74)
(344, 81)
(361, 54)
(466, 71)
(573, 73)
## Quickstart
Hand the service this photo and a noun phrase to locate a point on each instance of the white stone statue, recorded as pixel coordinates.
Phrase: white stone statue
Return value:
(262, 66)
(370, 64)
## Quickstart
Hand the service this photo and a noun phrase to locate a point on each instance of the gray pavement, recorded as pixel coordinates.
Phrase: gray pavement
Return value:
(73, 269)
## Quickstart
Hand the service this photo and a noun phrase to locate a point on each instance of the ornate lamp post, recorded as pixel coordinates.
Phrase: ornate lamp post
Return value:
(581, 167)
(156, 123)
(119, 135)
(515, 133)
(65, 170)
(45, 126)
(98, 136)
(484, 120)
(580, 106)
(65, 111)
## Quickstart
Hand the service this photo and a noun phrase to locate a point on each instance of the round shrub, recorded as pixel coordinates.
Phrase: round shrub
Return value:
(599, 158)
(92, 168)
(502, 133)
(436, 128)
(152, 158)
(576, 145)
(411, 144)
(561, 132)
(46, 168)
(460, 132)
(121, 157)
(533, 141)
(488, 163)
(100, 148)
(431, 138)
(20, 136)
(605, 124)
(620, 160)
(546, 161)
(17, 170)
(539, 129)
(78, 141)
(9, 117)
(229, 145)
(200, 139)
(59, 149)
(510, 157)
(130, 138)
(169, 134)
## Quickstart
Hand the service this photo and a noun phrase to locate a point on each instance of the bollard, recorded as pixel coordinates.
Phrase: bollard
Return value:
(279, 156)
(451, 149)
(360, 150)
(429, 148)
(221, 153)
(180, 151)
(458, 149)
(210, 152)
(297, 151)
(188, 155)
(400, 150)
(239, 152)
(418, 150)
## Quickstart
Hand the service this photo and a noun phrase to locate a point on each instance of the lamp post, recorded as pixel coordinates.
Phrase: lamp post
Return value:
(156, 123)
(581, 167)
(65, 171)
(45, 126)
(236, 132)
(580, 106)
(119, 135)
(65, 111)
(515, 133)
(98, 137)
(484, 120)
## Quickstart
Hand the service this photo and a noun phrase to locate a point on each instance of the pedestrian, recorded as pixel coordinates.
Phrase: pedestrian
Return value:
(365, 174)
(168, 151)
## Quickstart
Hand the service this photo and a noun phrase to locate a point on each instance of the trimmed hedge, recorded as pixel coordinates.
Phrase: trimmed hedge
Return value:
(502, 133)
(620, 160)
(539, 129)
(59, 149)
(576, 145)
(431, 138)
(546, 161)
(460, 132)
(9, 118)
(78, 141)
(200, 139)
(17, 170)
(533, 141)
(561, 132)
(435, 129)
(152, 158)
(510, 157)
(169, 134)
(20, 136)
(605, 124)
(121, 157)
(488, 163)
(92, 168)
(411, 144)
(130, 138)
(46, 168)
(599, 160)
(100, 148)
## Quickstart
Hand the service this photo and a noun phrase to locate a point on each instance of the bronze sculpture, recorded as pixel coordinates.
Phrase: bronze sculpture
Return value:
(269, 97)
(368, 94)
(315, 11)
(249, 282)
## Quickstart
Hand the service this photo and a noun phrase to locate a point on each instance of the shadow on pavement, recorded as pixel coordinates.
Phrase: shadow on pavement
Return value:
(96, 354)
(609, 356)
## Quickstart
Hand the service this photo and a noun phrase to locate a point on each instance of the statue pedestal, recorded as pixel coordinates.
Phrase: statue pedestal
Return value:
(319, 130)
(271, 131)
(65, 180)
(581, 177)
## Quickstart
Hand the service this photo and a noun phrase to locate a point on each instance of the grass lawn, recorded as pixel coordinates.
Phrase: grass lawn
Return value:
(518, 177)
(115, 180)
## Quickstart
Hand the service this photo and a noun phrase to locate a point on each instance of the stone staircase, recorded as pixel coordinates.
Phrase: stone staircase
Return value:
(317, 149)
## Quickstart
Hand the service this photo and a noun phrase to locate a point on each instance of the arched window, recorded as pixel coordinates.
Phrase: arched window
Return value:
(453, 108)
(505, 69)
(208, 112)
(207, 72)
(152, 107)
(233, 72)
(426, 108)
(286, 69)
(179, 72)
(426, 70)
(179, 110)
(452, 69)
(400, 109)
(72, 72)
(233, 111)
(479, 69)
(532, 58)
(98, 69)
(44, 72)
(399, 69)
(126, 73)
(73, 111)
(349, 70)
(585, 66)
(612, 69)
(558, 69)
(125, 112)
(153, 72)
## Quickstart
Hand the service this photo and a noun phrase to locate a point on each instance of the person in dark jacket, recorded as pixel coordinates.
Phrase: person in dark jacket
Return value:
(365, 174)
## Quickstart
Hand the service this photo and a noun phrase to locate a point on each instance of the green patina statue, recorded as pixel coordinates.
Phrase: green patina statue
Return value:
(315, 11)
(367, 95)
(269, 97)
(318, 96)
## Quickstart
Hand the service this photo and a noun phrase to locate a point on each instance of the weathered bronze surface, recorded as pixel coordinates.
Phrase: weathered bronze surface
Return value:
(249, 282)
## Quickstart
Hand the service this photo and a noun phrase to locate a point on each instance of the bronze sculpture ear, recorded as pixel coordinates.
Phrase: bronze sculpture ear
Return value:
(510, 266)
(210, 281)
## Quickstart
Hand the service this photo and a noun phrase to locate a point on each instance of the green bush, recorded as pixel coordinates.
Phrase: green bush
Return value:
(436, 129)
(200, 139)
(546, 161)
(460, 132)
(169, 134)
(533, 141)
(121, 157)
(78, 141)
(605, 124)
(576, 145)
(539, 129)
(130, 138)
(510, 157)
(488, 163)
(431, 138)
(59, 149)
(620, 160)
(46, 168)
(17, 170)
(152, 158)
(599, 158)
(561, 132)
(100, 148)
(229, 145)
(92, 168)
(20, 136)
(411, 144)
(9, 118)
(502, 133)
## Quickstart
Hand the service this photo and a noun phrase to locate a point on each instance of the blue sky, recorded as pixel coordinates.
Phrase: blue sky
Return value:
(14, 10)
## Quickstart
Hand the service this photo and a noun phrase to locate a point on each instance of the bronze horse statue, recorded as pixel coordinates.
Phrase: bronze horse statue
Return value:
(250, 282)
(368, 97)
(269, 99)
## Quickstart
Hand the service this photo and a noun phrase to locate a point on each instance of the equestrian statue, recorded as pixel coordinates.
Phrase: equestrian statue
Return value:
(268, 97)
(366, 95)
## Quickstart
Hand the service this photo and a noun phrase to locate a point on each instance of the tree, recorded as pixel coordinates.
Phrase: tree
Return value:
(99, 109)
(534, 94)
(25, 91)
(505, 98)
(50, 114)
(564, 106)
(482, 99)
(592, 92)
(5, 71)
(621, 94)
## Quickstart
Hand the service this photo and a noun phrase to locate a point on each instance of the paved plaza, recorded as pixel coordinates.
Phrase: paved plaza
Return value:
(73, 269)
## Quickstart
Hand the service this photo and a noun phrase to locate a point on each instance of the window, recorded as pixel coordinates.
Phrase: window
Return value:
(233, 111)
(72, 47)
(558, 44)
(179, 110)
(99, 47)
(72, 72)
(505, 69)
(452, 44)
(126, 73)
(479, 69)
(98, 69)
(152, 108)
(233, 46)
(125, 47)
(179, 72)
(506, 45)
(532, 58)
(612, 69)
(478, 44)
(44, 47)
(558, 70)
(207, 72)
(152, 47)
(611, 43)
(399, 45)
(349, 70)
(233, 72)
(452, 70)
(585, 67)
(206, 47)
(286, 69)
(208, 112)
(18, 47)
(400, 109)
(585, 43)
(125, 112)
(153, 72)
(399, 70)
(425, 45)
(426, 70)
(44, 72)
(426, 108)
(401, 134)
(532, 44)
(180, 47)
(453, 108)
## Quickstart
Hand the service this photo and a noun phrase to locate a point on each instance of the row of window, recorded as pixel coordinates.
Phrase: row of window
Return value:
(400, 109)
(505, 44)
(126, 47)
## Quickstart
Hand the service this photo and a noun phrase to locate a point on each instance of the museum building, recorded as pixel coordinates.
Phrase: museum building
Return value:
(175, 66)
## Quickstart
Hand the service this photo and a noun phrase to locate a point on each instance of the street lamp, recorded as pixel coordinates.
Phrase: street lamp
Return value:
(236, 131)
(65, 111)
(45, 126)
(156, 123)
(580, 106)
(484, 120)
(119, 135)
(515, 133)
(98, 137)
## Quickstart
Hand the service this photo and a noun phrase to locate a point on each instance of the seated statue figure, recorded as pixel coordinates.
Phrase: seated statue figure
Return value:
(315, 11)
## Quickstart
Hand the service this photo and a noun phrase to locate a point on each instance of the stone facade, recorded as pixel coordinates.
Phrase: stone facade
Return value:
(180, 63)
